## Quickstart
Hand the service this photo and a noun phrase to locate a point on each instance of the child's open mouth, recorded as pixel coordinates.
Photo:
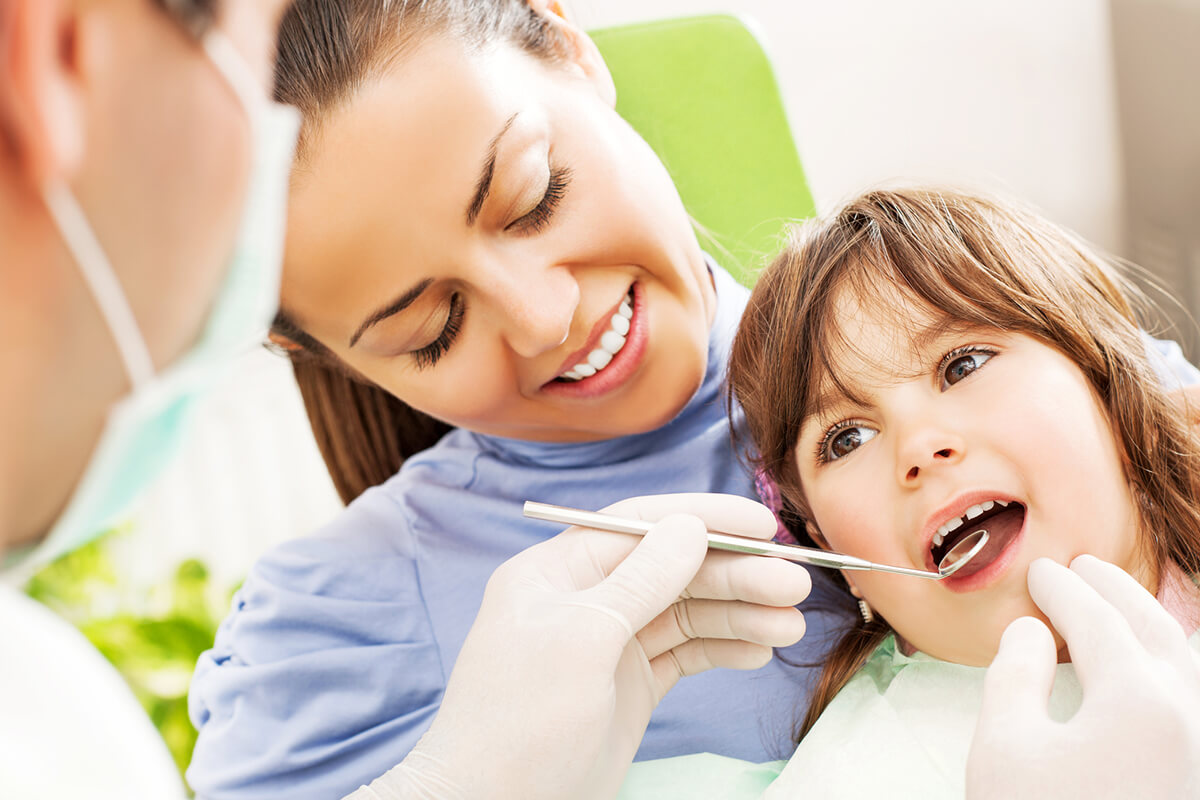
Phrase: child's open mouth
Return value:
(1003, 520)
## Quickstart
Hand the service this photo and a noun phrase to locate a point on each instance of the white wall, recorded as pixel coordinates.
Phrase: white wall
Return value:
(1014, 96)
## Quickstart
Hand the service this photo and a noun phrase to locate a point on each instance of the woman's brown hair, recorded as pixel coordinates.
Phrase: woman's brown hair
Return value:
(977, 262)
(327, 50)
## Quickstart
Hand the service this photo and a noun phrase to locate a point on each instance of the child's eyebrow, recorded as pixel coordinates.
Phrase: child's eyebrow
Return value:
(827, 398)
(932, 333)
(921, 339)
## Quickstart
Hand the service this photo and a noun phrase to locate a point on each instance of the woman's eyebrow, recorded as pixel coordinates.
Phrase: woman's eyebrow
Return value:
(484, 184)
(394, 307)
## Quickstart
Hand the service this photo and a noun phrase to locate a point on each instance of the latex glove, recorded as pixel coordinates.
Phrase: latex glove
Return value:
(579, 637)
(1137, 733)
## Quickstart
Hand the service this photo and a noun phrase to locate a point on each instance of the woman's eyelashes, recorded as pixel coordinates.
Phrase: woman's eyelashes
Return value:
(429, 355)
(533, 221)
(536, 219)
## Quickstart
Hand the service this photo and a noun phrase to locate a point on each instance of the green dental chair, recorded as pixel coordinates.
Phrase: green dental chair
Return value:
(702, 92)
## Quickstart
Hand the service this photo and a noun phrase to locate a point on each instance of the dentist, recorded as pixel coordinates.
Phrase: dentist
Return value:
(142, 179)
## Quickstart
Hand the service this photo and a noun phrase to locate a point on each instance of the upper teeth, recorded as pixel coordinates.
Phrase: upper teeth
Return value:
(610, 344)
(948, 527)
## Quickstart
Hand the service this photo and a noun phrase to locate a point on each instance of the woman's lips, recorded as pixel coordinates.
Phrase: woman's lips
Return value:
(623, 364)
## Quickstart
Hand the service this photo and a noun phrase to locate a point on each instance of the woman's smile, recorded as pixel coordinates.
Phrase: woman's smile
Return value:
(611, 355)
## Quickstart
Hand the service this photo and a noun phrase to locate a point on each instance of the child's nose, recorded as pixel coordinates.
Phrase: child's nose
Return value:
(925, 451)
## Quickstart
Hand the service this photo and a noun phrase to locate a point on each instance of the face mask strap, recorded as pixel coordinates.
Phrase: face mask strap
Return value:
(101, 280)
(236, 72)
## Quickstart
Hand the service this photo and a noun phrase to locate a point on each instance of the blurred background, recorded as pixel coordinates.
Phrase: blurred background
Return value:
(1086, 108)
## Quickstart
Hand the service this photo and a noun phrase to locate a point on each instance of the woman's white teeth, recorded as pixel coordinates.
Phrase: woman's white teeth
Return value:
(580, 372)
(610, 344)
(973, 512)
(600, 357)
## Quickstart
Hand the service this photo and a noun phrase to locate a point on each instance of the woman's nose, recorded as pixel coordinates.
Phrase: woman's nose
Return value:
(926, 450)
(537, 307)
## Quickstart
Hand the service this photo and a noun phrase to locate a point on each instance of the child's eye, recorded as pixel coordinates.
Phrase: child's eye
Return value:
(843, 439)
(959, 363)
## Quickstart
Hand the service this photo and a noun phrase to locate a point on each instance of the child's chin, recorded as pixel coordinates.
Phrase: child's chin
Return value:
(975, 643)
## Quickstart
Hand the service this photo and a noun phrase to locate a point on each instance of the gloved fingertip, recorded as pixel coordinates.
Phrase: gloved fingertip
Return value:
(1024, 634)
(1084, 560)
(1019, 680)
(685, 534)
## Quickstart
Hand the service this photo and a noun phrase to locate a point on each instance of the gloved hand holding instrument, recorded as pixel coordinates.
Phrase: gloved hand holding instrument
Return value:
(579, 637)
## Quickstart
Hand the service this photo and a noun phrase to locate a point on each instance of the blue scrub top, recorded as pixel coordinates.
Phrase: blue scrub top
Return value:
(335, 656)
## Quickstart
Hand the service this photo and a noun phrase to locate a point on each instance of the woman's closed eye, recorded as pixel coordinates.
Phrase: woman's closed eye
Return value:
(429, 355)
(842, 439)
(536, 219)
(962, 362)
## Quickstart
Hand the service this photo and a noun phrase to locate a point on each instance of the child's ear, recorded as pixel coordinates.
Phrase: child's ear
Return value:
(582, 51)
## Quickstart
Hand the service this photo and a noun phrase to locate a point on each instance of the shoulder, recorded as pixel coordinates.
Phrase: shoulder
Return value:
(341, 612)
(377, 527)
(374, 529)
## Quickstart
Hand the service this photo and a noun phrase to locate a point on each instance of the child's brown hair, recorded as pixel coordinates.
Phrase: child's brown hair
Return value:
(972, 261)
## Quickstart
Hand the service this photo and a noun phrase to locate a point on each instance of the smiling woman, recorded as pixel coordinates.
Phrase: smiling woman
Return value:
(503, 251)
(491, 293)
(538, 212)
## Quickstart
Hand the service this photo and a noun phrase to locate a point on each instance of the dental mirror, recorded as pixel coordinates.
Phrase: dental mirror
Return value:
(963, 551)
(952, 562)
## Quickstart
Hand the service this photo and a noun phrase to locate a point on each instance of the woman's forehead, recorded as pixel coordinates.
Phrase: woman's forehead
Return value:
(390, 175)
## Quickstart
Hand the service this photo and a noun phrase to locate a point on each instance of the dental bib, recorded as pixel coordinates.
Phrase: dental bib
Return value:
(902, 727)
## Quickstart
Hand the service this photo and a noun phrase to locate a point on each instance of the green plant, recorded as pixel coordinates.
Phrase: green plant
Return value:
(153, 635)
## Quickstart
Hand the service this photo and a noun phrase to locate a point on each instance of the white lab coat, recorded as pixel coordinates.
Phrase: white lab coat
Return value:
(70, 727)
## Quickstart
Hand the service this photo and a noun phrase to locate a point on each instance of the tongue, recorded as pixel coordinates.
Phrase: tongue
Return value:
(1001, 528)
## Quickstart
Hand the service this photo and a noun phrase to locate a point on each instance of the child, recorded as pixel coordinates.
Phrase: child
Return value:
(922, 365)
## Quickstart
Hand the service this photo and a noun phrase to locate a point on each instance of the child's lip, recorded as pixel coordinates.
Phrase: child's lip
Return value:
(955, 508)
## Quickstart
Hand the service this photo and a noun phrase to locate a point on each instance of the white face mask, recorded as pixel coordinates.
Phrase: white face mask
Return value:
(143, 429)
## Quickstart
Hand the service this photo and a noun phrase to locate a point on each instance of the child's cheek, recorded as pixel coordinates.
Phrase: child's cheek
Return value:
(852, 525)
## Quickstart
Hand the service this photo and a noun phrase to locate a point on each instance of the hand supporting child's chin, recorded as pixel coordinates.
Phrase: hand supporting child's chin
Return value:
(1137, 733)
